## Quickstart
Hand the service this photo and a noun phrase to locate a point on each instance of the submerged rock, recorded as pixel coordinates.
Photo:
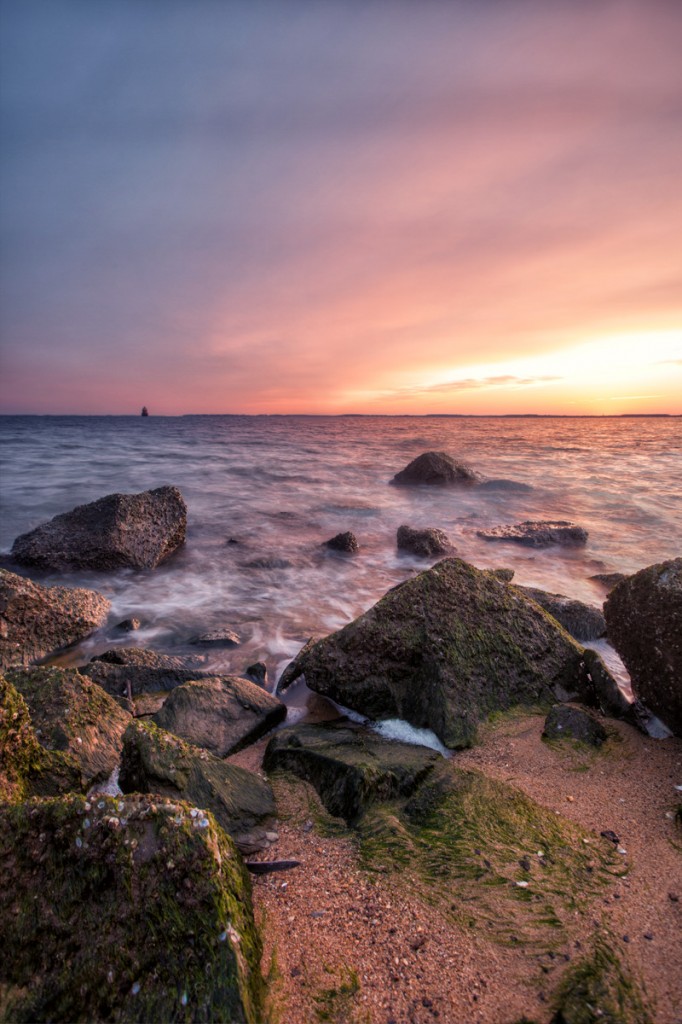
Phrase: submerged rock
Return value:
(345, 542)
(436, 469)
(426, 543)
(126, 910)
(644, 622)
(128, 671)
(121, 530)
(505, 485)
(268, 562)
(567, 722)
(74, 716)
(36, 621)
(581, 620)
(155, 761)
(221, 714)
(539, 534)
(443, 650)
(26, 767)
(349, 768)
(217, 638)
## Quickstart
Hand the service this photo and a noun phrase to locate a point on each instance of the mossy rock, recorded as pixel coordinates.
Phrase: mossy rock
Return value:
(599, 989)
(223, 714)
(445, 649)
(489, 856)
(73, 715)
(155, 761)
(349, 768)
(123, 910)
(567, 722)
(36, 621)
(26, 768)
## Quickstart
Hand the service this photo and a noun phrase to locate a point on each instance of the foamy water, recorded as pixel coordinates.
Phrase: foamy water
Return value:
(280, 486)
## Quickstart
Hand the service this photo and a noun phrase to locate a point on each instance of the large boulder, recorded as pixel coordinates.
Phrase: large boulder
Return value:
(582, 621)
(26, 767)
(155, 761)
(36, 621)
(124, 909)
(127, 672)
(349, 768)
(120, 530)
(426, 543)
(437, 469)
(538, 534)
(644, 623)
(446, 648)
(221, 714)
(73, 715)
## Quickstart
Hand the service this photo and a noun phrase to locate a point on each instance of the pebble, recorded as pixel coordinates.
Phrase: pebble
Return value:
(649, 936)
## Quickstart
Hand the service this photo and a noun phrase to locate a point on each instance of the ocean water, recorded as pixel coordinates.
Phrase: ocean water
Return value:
(280, 486)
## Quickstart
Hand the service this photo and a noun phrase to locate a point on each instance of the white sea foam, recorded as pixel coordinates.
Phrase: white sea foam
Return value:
(397, 729)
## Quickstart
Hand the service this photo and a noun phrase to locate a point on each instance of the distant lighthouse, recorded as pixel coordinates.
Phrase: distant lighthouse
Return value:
(145, 411)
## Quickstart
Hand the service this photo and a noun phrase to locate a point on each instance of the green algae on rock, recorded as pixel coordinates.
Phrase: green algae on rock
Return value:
(26, 768)
(489, 856)
(124, 910)
(73, 715)
(221, 713)
(36, 621)
(445, 649)
(156, 761)
(350, 769)
(598, 987)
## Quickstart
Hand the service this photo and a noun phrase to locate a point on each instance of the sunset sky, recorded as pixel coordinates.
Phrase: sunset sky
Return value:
(467, 206)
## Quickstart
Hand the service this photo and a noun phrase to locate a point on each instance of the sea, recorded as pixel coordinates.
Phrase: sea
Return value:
(271, 490)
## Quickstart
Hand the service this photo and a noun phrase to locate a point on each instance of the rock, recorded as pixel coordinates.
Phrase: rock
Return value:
(608, 579)
(505, 485)
(427, 543)
(581, 620)
(293, 670)
(129, 671)
(437, 469)
(444, 649)
(221, 714)
(124, 910)
(121, 530)
(644, 622)
(257, 673)
(346, 542)
(564, 721)
(36, 621)
(504, 575)
(128, 625)
(350, 769)
(155, 761)
(538, 534)
(26, 768)
(74, 716)
(217, 638)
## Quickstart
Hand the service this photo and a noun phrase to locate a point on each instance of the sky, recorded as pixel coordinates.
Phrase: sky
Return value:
(316, 206)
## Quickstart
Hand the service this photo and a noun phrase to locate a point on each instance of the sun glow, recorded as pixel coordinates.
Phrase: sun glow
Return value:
(637, 366)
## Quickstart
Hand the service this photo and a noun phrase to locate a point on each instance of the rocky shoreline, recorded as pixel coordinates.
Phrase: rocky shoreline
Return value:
(137, 905)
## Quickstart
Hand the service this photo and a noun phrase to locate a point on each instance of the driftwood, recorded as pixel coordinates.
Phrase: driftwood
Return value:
(264, 867)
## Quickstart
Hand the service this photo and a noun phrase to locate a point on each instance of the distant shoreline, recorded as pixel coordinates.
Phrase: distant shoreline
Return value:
(349, 415)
